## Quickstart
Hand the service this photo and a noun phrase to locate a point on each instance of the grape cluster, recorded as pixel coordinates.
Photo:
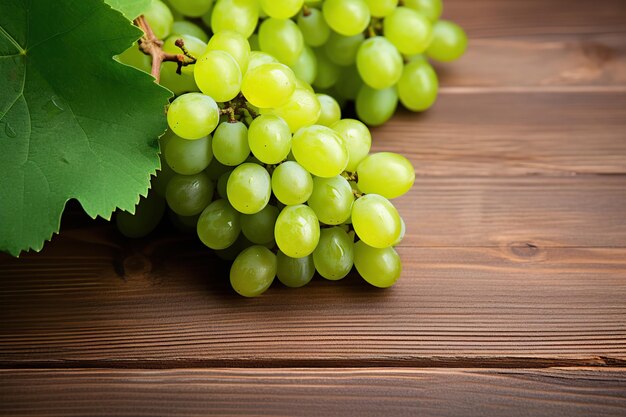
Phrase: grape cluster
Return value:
(258, 159)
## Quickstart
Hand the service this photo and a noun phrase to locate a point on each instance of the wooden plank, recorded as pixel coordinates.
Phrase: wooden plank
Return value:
(492, 18)
(314, 392)
(502, 134)
(513, 305)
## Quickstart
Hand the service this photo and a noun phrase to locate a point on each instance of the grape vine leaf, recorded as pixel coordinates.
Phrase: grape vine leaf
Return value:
(74, 123)
(130, 8)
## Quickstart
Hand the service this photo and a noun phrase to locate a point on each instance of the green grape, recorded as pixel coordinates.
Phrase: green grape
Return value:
(258, 58)
(185, 27)
(219, 225)
(357, 138)
(268, 85)
(303, 85)
(418, 86)
(375, 107)
(449, 41)
(177, 15)
(297, 231)
(430, 8)
(177, 83)
(305, 67)
(192, 8)
(269, 138)
(230, 143)
(379, 63)
(291, 183)
(330, 111)
(206, 18)
(302, 109)
(159, 183)
(234, 44)
(379, 267)
(259, 227)
(249, 188)
(342, 50)
(160, 18)
(188, 195)
(281, 9)
(222, 184)
(194, 45)
(135, 58)
(402, 232)
(218, 75)
(315, 30)
(349, 83)
(215, 168)
(327, 72)
(253, 40)
(331, 199)
(282, 39)
(193, 115)
(320, 150)
(385, 173)
(381, 8)
(253, 271)
(376, 221)
(188, 157)
(148, 214)
(294, 272)
(237, 15)
(334, 255)
(346, 17)
(408, 30)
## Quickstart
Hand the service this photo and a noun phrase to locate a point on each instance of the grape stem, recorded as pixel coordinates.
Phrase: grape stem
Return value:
(149, 44)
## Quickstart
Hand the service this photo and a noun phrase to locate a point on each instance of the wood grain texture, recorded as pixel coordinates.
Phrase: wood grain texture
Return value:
(314, 392)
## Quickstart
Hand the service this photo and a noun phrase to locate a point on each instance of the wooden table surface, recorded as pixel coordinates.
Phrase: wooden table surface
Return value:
(512, 300)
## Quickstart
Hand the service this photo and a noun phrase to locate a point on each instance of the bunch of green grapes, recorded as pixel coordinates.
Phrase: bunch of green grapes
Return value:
(261, 166)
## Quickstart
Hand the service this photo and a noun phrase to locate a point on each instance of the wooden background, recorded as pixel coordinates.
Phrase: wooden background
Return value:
(512, 300)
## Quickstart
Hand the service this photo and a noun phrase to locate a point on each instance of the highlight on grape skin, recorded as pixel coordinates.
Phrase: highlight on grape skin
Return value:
(260, 160)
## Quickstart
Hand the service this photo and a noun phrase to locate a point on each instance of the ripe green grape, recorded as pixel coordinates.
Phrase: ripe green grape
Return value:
(234, 44)
(259, 227)
(430, 8)
(135, 58)
(177, 83)
(237, 15)
(282, 39)
(194, 45)
(160, 18)
(315, 30)
(188, 195)
(294, 272)
(148, 214)
(381, 8)
(320, 150)
(375, 107)
(305, 67)
(334, 255)
(188, 157)
(253, 271)
(408, 30)
(193, 115)
(249, 188)
(218, 75)
(281, 9)
(342, 50)
(379, 63)
(330, 111)
(258, 58)
(268, 85)
(449, 41)
(357, 138)
(418, 86)
(331, 199)
(184, 27)
(376, 221)
(291, 183)
(346, 17)
(215, 168)
(302, 109)
(327, 72)
(222, 184)
(219, 225)
(379, 267)
(159, 183)
(297, 231)
(269, 138)
(385, 173)
(253, 40)
(192, 8)
(349, 83)
(230, 143)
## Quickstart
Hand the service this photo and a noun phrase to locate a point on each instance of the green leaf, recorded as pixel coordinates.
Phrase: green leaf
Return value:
(130, 8)
(74, 123)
